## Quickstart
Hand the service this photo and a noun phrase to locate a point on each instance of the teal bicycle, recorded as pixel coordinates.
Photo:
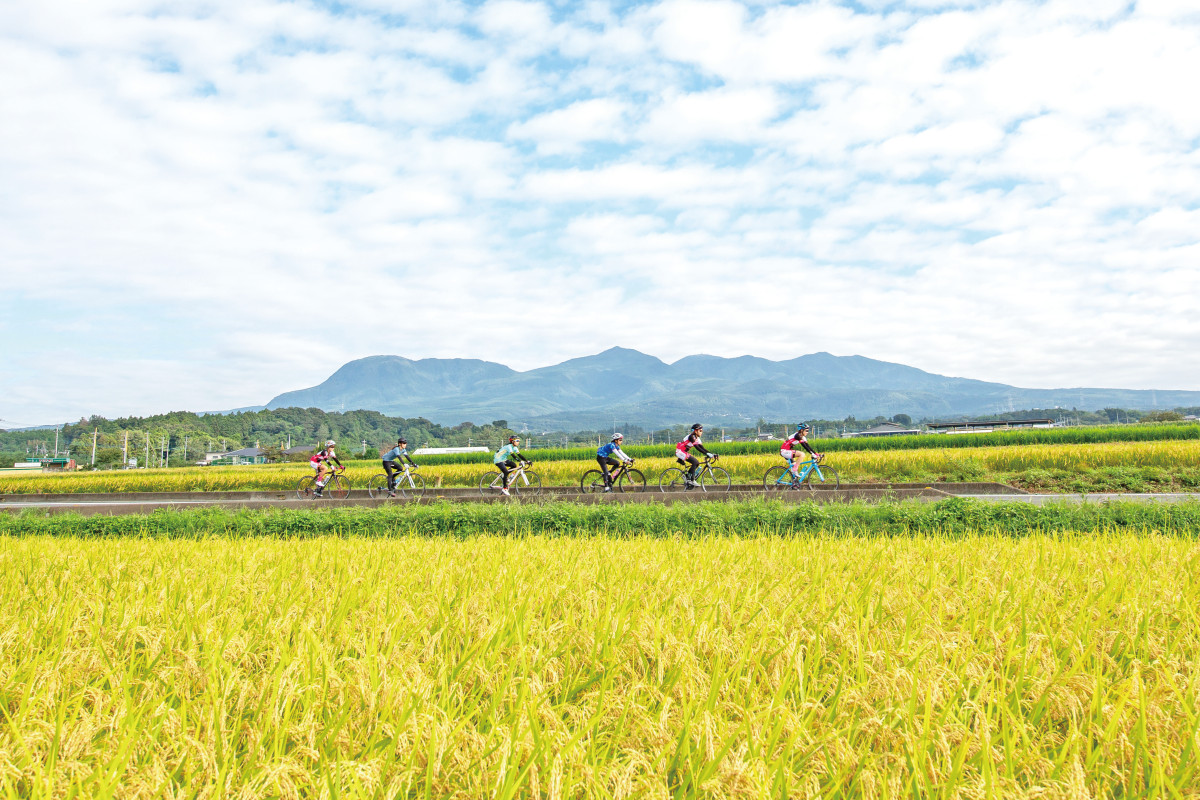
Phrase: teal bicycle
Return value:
(810, 475)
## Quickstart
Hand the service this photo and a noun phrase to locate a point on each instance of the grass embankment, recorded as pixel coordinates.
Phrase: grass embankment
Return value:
(1059, 666)
(1119, 466)
(954, 516)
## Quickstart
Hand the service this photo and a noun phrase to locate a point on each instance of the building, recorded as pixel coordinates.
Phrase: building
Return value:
(882, 429)
(987, 426)
(247, 455)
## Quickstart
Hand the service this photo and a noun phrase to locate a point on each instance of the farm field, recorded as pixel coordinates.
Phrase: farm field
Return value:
(1104, 466)
(835, 656)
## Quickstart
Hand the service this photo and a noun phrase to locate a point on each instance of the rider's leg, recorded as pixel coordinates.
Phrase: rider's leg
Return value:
(392, 469)
(695, 466)
(605, 463)
(505, 468)
(791, 462)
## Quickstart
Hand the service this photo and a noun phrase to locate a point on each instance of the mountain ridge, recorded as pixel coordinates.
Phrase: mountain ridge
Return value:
(622, 384)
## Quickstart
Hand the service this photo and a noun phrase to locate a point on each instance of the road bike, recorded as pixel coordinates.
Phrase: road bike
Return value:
(809, 475)
(520, 480)
(407, 484)
(624, 479)
(708, 478)
(336, 486)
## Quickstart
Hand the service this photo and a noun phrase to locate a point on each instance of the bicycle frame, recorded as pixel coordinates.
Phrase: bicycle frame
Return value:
(519, 472)
(800, 474)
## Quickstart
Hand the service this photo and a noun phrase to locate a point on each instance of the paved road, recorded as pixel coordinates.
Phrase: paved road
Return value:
(146, 502)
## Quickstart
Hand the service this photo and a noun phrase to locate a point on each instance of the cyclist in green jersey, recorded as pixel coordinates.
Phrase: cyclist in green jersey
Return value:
(506, 459)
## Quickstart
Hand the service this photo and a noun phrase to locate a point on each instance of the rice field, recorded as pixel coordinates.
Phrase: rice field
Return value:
(1048, 666)
(976, 463)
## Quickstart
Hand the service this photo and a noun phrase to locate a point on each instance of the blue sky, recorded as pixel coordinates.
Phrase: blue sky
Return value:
(204, 205)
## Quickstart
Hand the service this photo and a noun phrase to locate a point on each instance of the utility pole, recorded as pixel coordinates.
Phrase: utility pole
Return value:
(56, 442)
(95, 433)
(185, 444)
(147, 450)
(125, 452)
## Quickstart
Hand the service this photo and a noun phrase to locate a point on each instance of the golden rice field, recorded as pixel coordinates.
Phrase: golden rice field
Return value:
(1041, 667)
(888, 465)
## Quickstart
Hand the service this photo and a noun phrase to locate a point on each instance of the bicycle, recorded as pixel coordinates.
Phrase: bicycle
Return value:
(708, 478)
(336, 486)
(519, 480)
(407, 484)
(624, 479)
(810, 477)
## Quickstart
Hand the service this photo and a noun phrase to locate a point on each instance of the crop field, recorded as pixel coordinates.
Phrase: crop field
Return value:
(1174, 464)
(769, 660)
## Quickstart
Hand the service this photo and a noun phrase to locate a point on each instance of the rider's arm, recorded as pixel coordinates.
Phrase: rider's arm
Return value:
(410, 458)
(804, 443)
(617, 451)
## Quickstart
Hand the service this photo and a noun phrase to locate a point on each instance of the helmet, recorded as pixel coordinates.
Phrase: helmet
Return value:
(697, 426)
(402, 440)
(617, 436)
(330, 443)
(513, 438)
(803, 426)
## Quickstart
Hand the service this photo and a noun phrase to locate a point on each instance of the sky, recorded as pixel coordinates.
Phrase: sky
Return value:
(203, 205)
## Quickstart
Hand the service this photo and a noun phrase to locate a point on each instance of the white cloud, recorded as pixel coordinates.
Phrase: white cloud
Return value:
(953, 185)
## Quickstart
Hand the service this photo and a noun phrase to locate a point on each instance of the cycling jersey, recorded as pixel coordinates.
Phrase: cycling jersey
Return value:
(611, 449)
(396, 453)
(691, 441)
(324, 455)
(505, 453)
(788, 448)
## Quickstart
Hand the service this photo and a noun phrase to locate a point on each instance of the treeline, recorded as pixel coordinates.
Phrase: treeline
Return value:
(184, 437)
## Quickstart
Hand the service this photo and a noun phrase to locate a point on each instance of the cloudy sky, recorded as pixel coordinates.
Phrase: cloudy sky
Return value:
(205, 204)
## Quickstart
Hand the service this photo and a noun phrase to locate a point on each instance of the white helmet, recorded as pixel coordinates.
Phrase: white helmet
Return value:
(330, 443)
(617, 436)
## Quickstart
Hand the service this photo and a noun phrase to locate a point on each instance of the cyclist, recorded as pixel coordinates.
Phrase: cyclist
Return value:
(684, 455)
(604, 455)
(392, 465)
(318, 462)
(506, 459)
(788, 448)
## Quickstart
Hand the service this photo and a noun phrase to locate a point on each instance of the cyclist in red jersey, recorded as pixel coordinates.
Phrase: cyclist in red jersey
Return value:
(317, 462)
(788, 448)
(683, 452)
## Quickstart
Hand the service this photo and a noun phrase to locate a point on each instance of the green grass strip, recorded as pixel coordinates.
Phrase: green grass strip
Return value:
(955, 516)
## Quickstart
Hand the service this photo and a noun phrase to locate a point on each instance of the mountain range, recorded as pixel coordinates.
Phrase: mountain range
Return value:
(625, 386)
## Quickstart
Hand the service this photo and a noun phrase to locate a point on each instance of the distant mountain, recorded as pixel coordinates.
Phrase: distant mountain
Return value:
(625, 385)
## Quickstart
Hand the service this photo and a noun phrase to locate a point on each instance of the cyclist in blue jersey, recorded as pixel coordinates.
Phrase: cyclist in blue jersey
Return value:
(604, 455)
(506, 459)
(392, 465)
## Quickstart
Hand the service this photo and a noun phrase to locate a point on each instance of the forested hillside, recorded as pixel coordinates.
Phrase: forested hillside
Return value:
(187, 436)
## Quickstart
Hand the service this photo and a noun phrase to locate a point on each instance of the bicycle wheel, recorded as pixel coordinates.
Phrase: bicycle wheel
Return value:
(632, 481)
(672, 480)
(776, 480)
(715, 479)
(490, 482)
(338, 487)
(592, 482)
(529, 483)
(411, 485)
(827, 479)
(306, 487)
(377, 486)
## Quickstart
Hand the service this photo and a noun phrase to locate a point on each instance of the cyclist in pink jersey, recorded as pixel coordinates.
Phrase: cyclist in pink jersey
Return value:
(788, 448)
(683, 452)
(317, 462)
